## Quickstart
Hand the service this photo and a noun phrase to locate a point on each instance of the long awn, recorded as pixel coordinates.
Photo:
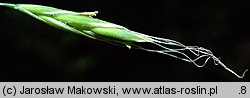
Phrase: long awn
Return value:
(83, 23)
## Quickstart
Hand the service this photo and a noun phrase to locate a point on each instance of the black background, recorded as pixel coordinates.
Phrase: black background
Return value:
(33, 51)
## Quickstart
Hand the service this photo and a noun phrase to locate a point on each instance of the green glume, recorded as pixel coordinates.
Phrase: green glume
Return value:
(83, 23)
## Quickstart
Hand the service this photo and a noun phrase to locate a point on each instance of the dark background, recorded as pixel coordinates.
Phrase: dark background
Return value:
(33, 51)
